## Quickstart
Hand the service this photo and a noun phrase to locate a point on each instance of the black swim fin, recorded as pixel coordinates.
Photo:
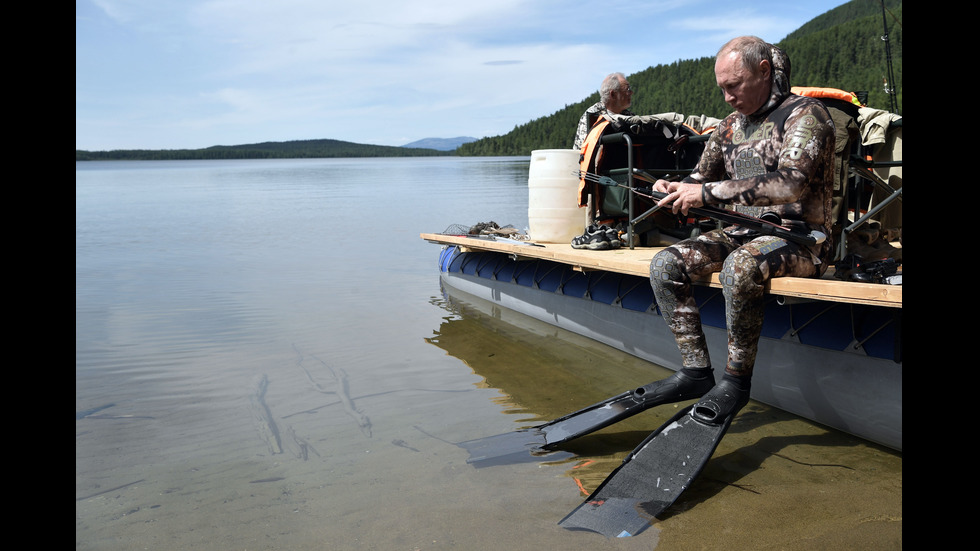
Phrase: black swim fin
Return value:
(530, 444)
(655, 474)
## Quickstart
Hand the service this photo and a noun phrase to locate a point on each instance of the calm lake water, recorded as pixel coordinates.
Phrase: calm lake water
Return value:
(264, 359)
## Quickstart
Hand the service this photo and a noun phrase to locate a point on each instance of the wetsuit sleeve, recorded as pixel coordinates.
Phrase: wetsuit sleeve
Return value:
(711, 165)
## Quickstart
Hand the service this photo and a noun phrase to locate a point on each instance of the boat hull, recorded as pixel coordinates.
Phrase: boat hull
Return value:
(836, 364)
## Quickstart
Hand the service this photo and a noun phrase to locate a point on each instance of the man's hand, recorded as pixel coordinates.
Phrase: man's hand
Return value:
(680, 196)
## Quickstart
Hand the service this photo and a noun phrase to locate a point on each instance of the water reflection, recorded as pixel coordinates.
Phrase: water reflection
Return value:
(544, 372)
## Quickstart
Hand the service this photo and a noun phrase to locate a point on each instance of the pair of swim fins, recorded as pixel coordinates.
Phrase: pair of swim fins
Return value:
(652, 476)
(533, 442)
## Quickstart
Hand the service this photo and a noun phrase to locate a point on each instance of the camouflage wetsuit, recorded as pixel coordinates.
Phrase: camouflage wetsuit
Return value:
(780, 159)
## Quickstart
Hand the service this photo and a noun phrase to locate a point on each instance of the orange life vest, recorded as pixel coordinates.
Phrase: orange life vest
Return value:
(833, 93)
(590, 157)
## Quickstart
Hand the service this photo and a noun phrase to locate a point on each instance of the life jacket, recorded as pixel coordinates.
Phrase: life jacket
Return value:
(826, 93)
(591, 155)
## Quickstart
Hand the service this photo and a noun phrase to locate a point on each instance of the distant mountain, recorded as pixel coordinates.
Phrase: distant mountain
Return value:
(441, 144)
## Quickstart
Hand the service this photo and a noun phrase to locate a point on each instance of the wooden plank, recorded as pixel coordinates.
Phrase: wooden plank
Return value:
(637, 262)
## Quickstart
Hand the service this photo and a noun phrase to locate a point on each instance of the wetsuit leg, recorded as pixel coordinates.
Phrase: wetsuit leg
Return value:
(670, 277)
(743, 278)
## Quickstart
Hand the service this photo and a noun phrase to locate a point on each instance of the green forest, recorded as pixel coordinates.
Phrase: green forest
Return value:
(844, 48)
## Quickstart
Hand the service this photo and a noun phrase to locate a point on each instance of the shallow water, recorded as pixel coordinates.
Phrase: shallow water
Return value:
(265, 360)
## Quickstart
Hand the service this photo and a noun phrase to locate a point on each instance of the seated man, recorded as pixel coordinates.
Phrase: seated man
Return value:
(615, 96)
(774, 153)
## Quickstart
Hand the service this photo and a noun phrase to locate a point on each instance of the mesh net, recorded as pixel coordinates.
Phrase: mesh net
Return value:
(456, 229)
(485, 228)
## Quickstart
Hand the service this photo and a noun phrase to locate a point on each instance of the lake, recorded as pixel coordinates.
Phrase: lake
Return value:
(265, 359)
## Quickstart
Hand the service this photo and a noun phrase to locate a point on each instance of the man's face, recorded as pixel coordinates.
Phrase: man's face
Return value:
(621, 99)
(746, 91)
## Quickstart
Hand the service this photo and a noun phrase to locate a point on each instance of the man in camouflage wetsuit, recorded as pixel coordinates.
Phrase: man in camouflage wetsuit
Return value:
(775, 154)
(615, 96)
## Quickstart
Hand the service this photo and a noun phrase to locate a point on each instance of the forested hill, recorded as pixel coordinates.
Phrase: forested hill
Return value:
(297, 149)
(842, 48)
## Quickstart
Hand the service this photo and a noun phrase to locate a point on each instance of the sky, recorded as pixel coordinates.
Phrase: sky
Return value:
(189, 74)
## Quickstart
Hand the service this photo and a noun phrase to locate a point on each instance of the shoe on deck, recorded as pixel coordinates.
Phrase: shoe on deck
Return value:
(594, 239)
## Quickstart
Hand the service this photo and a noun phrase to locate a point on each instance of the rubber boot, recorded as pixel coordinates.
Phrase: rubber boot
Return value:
(678, 387)
(726, 398)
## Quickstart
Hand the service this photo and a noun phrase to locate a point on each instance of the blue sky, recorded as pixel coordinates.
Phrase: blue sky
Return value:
(174, 74)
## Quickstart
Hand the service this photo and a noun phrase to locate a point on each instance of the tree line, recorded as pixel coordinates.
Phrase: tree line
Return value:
(298, 149)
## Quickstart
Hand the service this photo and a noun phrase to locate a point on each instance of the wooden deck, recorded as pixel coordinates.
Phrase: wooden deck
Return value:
(637, 262)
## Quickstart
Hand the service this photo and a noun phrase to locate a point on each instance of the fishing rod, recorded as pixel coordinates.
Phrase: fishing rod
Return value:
(766, 227)
(890, 85)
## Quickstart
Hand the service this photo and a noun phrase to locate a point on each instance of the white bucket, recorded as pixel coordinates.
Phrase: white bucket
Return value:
(553, 212)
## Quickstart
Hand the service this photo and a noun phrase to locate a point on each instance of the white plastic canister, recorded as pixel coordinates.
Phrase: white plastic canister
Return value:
(553, 212)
